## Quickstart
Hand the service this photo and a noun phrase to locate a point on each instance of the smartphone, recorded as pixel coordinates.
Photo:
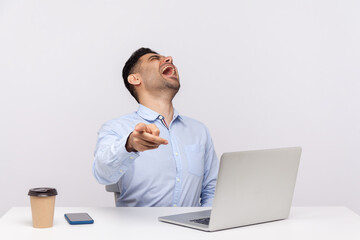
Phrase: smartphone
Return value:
(78, 218)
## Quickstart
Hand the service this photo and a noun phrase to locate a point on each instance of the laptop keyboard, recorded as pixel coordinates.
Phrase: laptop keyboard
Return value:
(204, 221)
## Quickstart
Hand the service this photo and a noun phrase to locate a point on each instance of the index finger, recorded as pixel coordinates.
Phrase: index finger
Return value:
(155, 139)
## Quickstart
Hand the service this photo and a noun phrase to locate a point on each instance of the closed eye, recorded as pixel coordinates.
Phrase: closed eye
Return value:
(152, 57)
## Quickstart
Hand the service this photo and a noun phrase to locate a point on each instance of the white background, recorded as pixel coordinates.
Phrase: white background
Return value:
(259, 74)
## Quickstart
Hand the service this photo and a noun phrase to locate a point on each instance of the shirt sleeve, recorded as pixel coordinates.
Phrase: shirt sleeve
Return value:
(210, 174)
(111, 157)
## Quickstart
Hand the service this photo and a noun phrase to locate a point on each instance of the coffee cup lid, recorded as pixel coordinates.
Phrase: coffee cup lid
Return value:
(42, 192)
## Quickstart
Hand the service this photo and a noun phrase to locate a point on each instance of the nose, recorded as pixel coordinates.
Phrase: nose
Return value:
(168, 59)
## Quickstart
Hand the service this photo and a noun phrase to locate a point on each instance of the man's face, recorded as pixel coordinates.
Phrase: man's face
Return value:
(158, 72)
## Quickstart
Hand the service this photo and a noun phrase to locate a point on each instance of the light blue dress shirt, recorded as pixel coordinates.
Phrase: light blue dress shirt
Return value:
(181, 173)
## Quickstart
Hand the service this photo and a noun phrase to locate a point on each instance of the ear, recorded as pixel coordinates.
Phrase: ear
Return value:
(134, 79)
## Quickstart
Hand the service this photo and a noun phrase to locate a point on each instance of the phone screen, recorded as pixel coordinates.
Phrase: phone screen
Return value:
(78, 218)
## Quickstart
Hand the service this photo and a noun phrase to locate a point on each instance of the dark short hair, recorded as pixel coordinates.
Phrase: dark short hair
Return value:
(129, 67)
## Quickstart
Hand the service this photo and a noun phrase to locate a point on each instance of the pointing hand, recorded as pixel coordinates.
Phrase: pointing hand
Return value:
(144, 137)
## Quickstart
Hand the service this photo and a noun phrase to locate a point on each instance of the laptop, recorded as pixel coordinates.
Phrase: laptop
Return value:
(252, 187)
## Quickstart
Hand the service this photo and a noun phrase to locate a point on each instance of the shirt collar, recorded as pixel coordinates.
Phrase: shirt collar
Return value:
(150, 115)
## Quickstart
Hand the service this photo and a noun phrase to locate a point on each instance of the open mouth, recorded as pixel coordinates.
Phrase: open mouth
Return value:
(169, 71)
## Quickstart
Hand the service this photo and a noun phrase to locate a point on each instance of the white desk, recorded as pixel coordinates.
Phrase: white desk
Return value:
(305, 223)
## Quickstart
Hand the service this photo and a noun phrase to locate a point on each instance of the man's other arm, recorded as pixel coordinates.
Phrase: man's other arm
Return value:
(210, 174)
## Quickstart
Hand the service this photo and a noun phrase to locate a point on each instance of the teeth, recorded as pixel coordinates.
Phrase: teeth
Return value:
(173, 69)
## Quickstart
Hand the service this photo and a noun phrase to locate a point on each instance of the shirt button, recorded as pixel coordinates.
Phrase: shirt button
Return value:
(176, 154)
(174, 205)
(131, 157)
(178, 179)
(121, 171)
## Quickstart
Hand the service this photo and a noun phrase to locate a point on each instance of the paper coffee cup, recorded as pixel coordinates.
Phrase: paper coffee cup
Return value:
(42, 206)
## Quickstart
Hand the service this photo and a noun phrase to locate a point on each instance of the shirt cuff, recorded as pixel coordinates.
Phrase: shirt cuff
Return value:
(208, 203)
(126, 157)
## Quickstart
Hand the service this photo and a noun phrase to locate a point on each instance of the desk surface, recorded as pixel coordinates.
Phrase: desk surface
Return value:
(141, 223)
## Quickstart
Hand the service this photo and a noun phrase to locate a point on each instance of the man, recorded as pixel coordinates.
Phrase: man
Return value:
(156, 156)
